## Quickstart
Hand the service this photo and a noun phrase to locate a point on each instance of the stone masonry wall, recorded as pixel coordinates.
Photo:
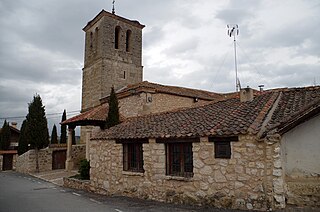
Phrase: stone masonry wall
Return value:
(238, 182)
(26, 163)
(138, 105)
(104, 65)
(23, 163)
(274, 176)
(14, 161)
(78, 153)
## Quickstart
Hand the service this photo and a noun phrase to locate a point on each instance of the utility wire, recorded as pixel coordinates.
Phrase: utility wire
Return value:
(250, 61)
(49, 114)
(226, 54)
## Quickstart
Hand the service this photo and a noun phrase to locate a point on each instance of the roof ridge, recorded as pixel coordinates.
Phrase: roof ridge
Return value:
(146, 83)
(269, 115)
(261, 117)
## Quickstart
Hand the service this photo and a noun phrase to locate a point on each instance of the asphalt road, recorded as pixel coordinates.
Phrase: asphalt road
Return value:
(19, 192)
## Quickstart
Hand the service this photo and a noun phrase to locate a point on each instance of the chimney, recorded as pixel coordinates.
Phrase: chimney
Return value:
(246, 94)
(14, 124)
(261, 87)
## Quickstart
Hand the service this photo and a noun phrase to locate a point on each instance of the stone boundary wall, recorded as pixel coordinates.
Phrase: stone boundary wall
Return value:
(76, 184)
(14, 161)
(238, 182)
(26, 163)
(78, 153)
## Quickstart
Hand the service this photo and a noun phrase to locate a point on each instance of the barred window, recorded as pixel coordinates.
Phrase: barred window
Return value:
(133, 157)
(179, 159)
(222, 146)
(222, 149)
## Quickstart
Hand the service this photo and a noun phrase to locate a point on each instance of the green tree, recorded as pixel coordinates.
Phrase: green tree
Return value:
(63, 136)
(54, 136)
(23, 138)
(84, 169)
(5, 136)
(37, 126)
(113, 113)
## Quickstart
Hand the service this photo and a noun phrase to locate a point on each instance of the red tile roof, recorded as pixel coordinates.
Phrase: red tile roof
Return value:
(98, 114)
(146, 86)
(294, 107)
(94, 116)
(224, 118)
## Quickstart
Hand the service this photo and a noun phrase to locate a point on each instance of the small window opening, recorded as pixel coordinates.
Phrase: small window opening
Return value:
(96, 37)
(124, 75)
(133, 157)
(128, 40)
(179, 159)
(91, 39)
(117, 37)
(222, 149)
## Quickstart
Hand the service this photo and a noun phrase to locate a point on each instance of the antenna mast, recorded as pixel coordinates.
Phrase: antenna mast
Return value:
(233, 30)
(113, 10)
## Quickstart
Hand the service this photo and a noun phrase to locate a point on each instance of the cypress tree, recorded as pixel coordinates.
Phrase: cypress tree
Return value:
(113, 113)
(23, 138)
(5, 136)
(37, 126)
(54, 136)
(63, 136)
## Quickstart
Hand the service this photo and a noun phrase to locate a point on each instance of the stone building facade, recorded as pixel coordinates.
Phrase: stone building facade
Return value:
(113, 56)
(255, 175)
(184, 145)
(238, 182)
(26, 163)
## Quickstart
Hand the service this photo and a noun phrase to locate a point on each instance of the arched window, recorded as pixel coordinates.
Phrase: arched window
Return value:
(128, 40)
(91, 38)
(96, 37)
(117, 37)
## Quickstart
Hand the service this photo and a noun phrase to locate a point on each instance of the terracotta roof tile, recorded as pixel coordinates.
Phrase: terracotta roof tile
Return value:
(224, 118)
(98, 114)
(158, 88)
(294, 103)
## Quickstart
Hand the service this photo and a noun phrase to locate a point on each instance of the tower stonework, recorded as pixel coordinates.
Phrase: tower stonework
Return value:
(113, 56)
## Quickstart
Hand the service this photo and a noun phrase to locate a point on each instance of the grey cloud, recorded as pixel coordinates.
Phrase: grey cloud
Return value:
(153, 36)
(234, 16)
(55, 27)
(183, 48)
(238, 11)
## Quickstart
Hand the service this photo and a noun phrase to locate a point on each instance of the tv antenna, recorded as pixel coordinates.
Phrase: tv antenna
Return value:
(113, 10)
(233, 31)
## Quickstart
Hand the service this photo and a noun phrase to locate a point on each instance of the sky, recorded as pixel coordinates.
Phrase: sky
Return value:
(185, 43)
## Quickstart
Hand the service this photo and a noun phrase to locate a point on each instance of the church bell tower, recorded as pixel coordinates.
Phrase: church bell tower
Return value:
(112, 57)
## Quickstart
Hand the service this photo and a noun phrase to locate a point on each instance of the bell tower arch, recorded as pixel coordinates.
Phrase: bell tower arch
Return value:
(112, 57)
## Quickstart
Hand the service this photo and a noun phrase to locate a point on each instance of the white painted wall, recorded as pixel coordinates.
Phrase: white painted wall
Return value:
(301, 149)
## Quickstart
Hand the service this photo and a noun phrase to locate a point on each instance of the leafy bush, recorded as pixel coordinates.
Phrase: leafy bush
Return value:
(84, 169)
